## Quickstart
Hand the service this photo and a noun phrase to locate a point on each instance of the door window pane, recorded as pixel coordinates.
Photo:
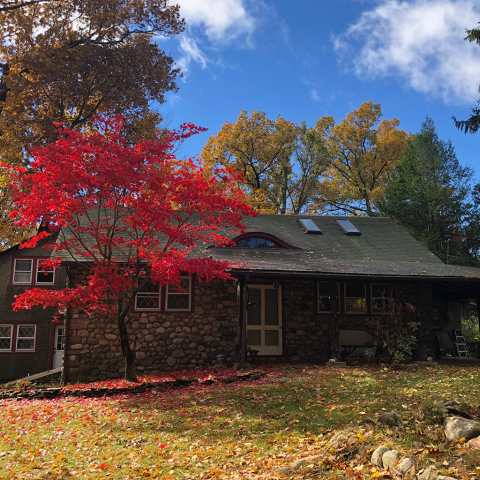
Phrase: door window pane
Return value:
(254, 338)
(254, 314)
(271, 337)
(60, 338)
(271, 306)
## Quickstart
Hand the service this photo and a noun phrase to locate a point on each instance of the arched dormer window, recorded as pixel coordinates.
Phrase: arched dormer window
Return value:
(260, 241)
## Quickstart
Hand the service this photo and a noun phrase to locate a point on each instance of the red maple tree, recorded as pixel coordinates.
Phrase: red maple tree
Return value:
(130, 214)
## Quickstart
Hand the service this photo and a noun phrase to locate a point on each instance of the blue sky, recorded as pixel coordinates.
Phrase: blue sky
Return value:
(310, 58)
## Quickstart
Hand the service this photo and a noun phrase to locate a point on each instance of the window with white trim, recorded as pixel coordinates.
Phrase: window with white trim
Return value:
(178, 298)
(26, 335)
(324, 299)
(380, 292)
(6, 334)
(44, 276)
(148, 298)
(22, 271)
(355, 297)
(28, 271)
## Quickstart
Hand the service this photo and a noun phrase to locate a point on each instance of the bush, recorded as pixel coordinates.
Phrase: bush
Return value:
(470, 329)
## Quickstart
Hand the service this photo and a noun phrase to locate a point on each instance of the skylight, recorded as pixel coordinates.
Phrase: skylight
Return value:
(347, 227)
(309, 226)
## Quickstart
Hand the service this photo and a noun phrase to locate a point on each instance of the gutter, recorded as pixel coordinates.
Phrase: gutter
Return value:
(358, 276)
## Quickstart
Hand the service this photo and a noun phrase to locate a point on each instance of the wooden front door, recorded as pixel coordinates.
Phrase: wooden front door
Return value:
(264, 320)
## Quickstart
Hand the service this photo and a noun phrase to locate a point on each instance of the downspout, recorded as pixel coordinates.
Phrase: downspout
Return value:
(66, 334)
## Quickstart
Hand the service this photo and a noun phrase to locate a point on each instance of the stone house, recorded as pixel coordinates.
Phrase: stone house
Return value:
(286, 270)
(30, 340)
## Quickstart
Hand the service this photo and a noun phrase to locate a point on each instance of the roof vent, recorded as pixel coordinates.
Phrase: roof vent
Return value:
(347, 227)
(309, 226)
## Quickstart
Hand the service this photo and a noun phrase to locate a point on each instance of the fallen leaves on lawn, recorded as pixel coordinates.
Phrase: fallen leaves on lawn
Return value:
(238, 430)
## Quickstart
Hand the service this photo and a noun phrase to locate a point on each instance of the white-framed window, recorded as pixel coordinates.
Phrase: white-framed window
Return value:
(148, 298)
(26, 335)
(44, 277)
(23, 271)
(380, 292)
(355, 297)
(324, 300)
(179, 298)
(6, 334)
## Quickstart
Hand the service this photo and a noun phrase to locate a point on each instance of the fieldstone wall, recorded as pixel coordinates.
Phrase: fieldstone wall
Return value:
(185, 340)
(163, 340)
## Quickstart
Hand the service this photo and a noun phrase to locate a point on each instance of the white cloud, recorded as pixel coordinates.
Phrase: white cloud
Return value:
(314, 95)
(420, 41)
(222, 20)
(190, 53)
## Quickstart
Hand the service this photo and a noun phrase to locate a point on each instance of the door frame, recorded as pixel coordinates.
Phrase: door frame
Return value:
(52, 341)
(280, 284)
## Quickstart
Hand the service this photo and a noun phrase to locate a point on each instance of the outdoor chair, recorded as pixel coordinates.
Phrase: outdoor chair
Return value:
(447, 348)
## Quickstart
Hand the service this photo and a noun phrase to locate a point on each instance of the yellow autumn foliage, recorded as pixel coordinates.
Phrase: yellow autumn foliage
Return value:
(363, 151)
(259, 148)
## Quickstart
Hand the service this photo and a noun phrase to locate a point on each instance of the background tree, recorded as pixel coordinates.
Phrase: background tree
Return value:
(301, 180)
(260, 149)
(63, 61)
(473, 123)
(363, 152)
(428, 194)
(471, 229)
(131, 214)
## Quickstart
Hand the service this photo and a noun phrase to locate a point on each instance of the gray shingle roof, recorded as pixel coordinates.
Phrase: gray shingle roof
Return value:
(383, 249)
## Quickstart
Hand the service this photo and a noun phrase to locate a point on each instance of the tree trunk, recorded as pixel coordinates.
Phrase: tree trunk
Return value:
(130, 371)
(128, 352)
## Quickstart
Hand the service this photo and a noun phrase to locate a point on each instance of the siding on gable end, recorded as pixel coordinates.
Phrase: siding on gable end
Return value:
(20, 364)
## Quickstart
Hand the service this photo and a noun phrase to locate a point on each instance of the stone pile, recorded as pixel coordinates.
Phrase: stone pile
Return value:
(384, 457)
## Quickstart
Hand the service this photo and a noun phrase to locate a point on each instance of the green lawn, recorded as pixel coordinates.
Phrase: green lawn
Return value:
(241, 430)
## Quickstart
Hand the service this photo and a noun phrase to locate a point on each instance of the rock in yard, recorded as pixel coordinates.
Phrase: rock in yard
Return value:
(474, 443)
(378, 454)
(391, 419)
(457, 428)
(283, 471)
(297, 464)
(389, 459)
(366, 422)
(405, 466)
(338, 438)
(429, 473)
